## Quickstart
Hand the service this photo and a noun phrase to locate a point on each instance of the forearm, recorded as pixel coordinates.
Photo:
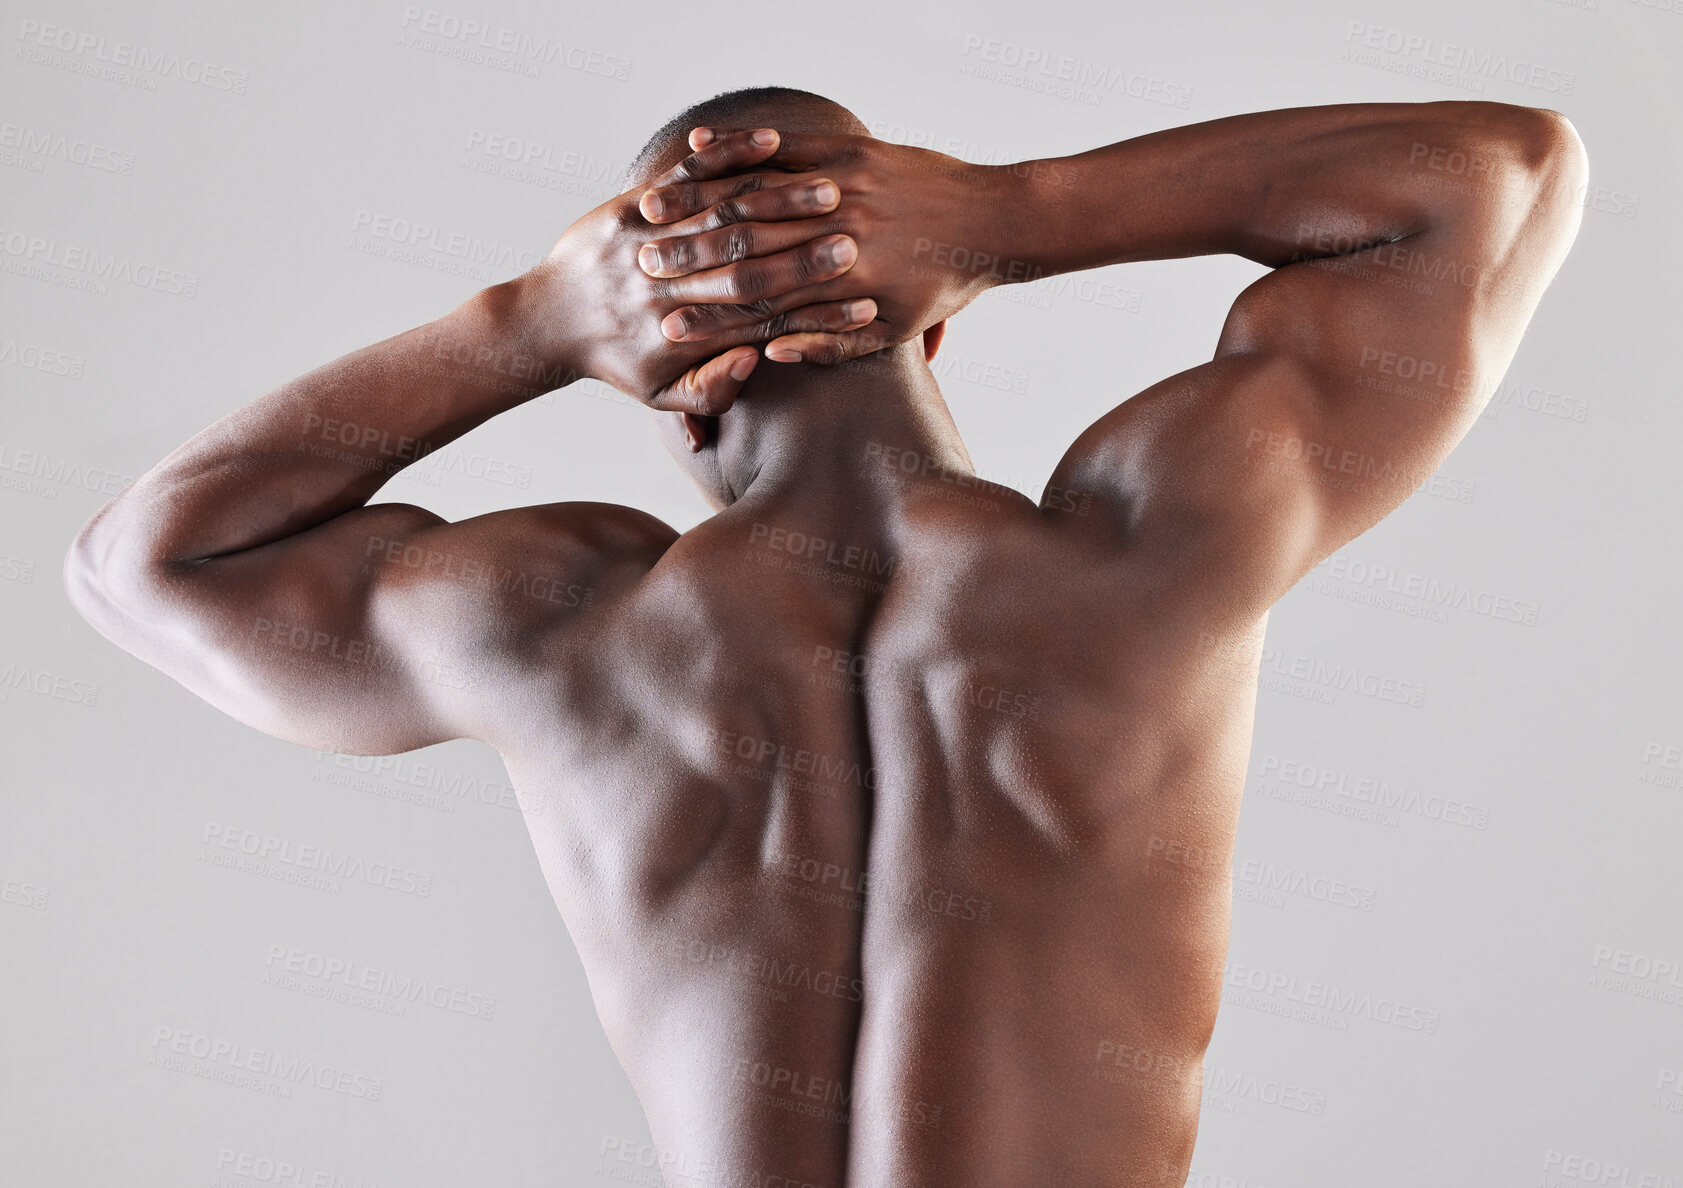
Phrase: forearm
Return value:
(327, 441)
(1271, 186)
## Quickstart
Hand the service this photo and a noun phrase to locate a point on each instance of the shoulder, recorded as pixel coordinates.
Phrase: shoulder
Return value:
(1191, 451)
(1201, 482)
(570, 534)
(494, 578)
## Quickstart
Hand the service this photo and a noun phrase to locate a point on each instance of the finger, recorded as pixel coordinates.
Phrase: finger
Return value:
(710, 387)
(669, 199)
(700, 138)
(822, 317)
(762, 277)
(682, 255)
(804, 151)
(825, 317)
(828, 349)
(728, 154)
(754, 198)
(692, 323)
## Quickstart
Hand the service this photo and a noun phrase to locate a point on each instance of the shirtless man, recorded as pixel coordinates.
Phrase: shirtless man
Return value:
(891, 813)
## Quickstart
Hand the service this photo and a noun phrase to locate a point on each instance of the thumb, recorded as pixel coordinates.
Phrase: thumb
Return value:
(709, 388)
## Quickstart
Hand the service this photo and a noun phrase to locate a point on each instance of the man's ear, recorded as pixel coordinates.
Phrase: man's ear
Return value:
(698, 430)
(932, 339)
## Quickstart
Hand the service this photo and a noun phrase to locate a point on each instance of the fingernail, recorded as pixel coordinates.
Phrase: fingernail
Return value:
(673, 327)
(648, 258)
(783, 355)
(653, 206)
(842, 252)
(860, 311)
(702, 137)
(765, 136)
(743, 367)
(825, 193)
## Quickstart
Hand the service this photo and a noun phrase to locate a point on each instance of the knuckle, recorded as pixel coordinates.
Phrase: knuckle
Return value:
(687, 196)
(737, 244)
(728, 213)
(677, 255)
(697, 317)
(752, 183)
(730, 285)
(764, 310)
(701, 400)
(811, 264)
(775, 326)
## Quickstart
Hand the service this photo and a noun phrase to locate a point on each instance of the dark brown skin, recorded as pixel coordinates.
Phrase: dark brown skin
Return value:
(902, 858)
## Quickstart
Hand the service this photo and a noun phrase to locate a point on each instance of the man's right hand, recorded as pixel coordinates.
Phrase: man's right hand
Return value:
(925, 224)
(589, 309)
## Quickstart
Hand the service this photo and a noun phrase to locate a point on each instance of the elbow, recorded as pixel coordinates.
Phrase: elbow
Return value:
(1555, 150)
(1559, 178)
(1536, 145)
(1531, 165)
(107, 576)
(86, 573)
(1522, 135)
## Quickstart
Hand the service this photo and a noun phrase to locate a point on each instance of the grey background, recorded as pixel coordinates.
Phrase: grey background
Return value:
(1530, 944)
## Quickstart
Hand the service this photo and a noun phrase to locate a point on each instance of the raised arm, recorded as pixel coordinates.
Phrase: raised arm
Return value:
(248, 566)
(1409, 244)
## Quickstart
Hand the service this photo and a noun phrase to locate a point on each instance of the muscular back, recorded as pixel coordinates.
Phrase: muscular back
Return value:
(959, 791)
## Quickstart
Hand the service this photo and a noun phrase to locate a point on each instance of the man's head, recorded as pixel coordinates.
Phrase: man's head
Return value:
(714, 462)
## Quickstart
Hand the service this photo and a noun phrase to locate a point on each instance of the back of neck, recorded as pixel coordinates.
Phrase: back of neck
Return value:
(838, 443)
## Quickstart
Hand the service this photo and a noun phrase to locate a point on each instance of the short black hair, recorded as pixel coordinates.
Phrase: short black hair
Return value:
(729, 108)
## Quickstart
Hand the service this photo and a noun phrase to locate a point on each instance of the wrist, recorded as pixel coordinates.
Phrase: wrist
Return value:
(522, 313)
(966, 233)
(1022, 207)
